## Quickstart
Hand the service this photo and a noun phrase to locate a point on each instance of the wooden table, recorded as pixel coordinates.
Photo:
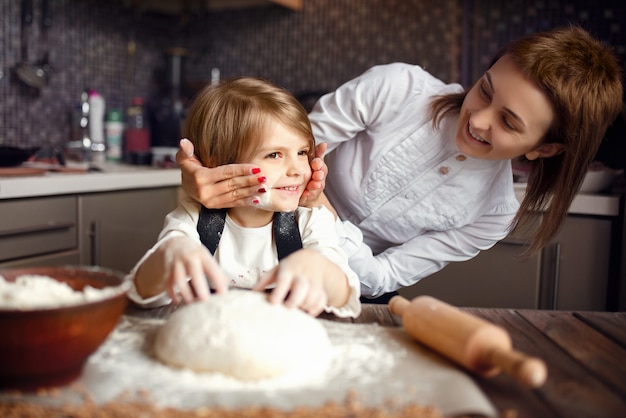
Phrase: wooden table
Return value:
(585, 353)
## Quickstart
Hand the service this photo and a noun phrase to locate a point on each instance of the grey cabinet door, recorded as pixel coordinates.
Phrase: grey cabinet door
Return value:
(63, 258)
(571, 273)
(496, 278)
(583, 269)
(117, 228)
(37, 226)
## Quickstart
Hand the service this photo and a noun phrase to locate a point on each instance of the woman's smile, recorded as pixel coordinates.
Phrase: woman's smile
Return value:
(475, 135)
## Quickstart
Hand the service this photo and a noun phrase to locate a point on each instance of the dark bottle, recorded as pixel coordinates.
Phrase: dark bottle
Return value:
(137, 134)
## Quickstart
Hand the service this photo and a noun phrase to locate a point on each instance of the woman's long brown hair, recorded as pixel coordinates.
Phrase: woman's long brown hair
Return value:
(582, 79)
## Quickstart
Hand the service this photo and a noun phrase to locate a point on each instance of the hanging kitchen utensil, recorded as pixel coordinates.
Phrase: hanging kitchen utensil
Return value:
(30, 75)
(46, 21)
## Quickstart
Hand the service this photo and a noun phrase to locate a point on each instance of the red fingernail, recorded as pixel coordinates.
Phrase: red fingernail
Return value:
(256, 170)
(256, 201)
(262, 179)
(262, 190)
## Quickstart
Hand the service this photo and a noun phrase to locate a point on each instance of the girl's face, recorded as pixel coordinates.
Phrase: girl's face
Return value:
(504, 116)
(283, 157)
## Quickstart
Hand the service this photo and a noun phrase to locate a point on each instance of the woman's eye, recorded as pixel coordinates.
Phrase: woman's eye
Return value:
(507, 125)
(484, 92)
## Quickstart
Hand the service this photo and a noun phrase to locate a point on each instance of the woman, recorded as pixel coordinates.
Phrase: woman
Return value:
(420, 171)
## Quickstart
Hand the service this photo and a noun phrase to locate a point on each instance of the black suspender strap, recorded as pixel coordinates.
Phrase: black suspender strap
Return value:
(285, 228)
(286, 233)
(210, 226)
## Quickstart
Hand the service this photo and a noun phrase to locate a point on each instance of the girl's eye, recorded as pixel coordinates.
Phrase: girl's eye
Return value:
(272, 155)
(304, 152)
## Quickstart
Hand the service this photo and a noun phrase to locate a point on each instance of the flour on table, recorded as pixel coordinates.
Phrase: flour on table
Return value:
(240, 334)
(379, 364)
(127, 362)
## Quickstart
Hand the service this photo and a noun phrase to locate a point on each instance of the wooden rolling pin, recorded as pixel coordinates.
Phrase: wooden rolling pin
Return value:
(475, 344)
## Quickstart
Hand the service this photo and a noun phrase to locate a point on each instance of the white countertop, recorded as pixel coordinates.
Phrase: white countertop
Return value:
(113, 177)
(584, 204)
(125, 177)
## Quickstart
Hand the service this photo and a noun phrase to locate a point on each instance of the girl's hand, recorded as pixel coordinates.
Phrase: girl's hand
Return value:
(180, 266)
(318, 178)
(306, 280)
(225, 186)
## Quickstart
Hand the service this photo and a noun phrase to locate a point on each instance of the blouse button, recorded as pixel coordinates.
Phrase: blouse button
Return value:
(461, 157)
(444, 170)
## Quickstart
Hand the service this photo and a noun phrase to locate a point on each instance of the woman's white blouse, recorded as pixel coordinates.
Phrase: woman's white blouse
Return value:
(408, 200)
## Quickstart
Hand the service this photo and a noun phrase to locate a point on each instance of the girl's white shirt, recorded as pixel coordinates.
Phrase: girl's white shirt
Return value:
(245, 253)
(409, 202)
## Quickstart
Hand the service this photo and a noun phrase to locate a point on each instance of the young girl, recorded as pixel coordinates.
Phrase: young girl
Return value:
(420, 170)
(249, 120)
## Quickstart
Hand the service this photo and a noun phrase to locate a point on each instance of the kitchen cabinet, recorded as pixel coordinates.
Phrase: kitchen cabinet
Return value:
(62, 258)
(117, 228)
(111, 229)
(38, 231)
(571, 273)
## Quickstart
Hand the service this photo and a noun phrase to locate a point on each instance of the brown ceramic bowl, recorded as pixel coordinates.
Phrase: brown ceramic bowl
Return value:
(49, 346)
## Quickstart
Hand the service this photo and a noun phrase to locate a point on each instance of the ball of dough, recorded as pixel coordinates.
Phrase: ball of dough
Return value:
(239, 333)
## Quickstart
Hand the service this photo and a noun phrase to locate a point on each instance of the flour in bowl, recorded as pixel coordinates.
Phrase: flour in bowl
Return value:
(32, 291)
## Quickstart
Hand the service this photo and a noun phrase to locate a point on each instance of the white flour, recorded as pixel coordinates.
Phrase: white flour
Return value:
(29, 292)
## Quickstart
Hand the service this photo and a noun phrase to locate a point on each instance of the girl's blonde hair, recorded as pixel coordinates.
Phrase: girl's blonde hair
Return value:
(226, 121)
(582, 80)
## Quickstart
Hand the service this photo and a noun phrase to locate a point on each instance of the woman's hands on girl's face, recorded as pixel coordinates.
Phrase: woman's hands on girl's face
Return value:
(318, 177)
(236, 185)
(226, 186)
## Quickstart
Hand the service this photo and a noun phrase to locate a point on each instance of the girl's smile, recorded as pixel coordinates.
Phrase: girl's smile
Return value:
(283, 157)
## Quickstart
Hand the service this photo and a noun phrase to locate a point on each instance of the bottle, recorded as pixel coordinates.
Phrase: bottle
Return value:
(137, 134)
(96, 125)
(114, 132)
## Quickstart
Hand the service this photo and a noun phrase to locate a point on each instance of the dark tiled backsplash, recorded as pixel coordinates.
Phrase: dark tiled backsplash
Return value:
(310, 51)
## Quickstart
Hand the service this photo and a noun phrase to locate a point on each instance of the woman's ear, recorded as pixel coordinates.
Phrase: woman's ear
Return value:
(546, 151)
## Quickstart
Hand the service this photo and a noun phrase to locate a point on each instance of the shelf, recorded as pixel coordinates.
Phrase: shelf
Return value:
(178, 7)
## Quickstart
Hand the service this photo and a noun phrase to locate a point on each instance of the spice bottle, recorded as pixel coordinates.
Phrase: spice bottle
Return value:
(114, 132)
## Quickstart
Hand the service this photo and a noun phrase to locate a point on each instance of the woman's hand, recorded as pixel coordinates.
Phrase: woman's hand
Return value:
(316, 185)
(180, 266)
(307, 280)
(225, 186)
(235, 185)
